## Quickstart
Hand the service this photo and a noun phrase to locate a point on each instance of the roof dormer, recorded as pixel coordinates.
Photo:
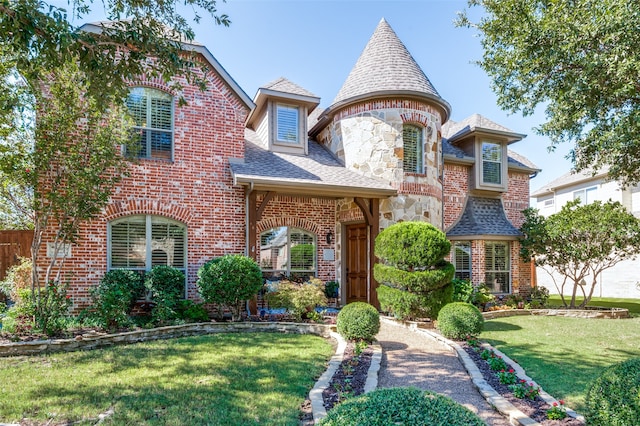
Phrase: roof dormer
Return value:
(280, 116)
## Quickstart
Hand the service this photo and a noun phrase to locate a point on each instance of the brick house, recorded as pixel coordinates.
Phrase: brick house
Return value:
(305, 190)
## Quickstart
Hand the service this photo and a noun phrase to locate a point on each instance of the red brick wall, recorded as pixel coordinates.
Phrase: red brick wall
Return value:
(516, 198)
(456, 189)
(315, 215)
(195, 189)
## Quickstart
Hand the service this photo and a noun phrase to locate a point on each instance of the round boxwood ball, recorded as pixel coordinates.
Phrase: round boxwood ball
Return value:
(458, 320)
(613, 398)
(400, 406)
(358, 321)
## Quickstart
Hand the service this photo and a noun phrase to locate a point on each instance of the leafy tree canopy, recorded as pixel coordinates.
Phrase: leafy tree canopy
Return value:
(580, 242)
(580, 60)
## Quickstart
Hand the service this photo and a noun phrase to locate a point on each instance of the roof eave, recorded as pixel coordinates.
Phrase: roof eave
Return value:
(486, 237)
(311, 102)
(511, 137)
(310, 189)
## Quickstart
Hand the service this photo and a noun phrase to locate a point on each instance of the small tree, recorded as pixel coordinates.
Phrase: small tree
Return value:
(580, 242)
(415, 279)
(229, 281)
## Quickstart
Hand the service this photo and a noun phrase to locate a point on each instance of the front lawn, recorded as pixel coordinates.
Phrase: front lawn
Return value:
(633, 305)
(222, 379)
(564, 354)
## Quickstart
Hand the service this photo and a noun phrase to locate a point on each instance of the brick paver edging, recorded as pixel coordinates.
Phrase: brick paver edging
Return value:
(95, 340)
(515, 416)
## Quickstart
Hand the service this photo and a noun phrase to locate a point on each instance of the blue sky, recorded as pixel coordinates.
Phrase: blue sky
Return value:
(315, 43)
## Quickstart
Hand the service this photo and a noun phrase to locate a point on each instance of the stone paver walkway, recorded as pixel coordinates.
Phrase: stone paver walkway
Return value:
(411, 359)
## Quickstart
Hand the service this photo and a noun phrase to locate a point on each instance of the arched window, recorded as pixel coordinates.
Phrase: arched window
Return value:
(141, 242)
(152, 112)
(286, 251)
(412, 161)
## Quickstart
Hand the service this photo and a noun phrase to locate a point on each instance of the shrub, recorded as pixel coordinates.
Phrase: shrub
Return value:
(331, 288)
(513, 301)
(51, 316)
(166, 286)
(230, 280)
(114, 296)
(613, 398)
(358, 321)
(481, 296)
(18, 277)
(458, 320)
(412, 262)
(191, 311)
(462, 291)
(400, 406)
(19, 318)
(298, 298)
(539, 297)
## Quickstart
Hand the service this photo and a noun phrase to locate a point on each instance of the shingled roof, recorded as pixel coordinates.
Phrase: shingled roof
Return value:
(386, 65)
(571, 178)
(482, 217)
(454, 131)
(317, 173)
(287, 86)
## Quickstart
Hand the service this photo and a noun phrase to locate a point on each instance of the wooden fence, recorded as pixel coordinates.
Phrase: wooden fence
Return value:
(13, 245)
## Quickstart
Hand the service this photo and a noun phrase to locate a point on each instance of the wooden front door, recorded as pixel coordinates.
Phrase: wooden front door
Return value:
(356, 262)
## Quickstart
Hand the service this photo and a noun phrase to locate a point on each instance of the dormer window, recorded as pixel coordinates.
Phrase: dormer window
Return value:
(491, 163)
(413, 152)
(287, 123)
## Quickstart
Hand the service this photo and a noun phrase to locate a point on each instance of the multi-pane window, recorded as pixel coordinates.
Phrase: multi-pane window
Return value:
(496, 265)
(286, 250)
(586, 196)
(412, 161)
(152, 112)
(141, 242)
(491, 163)
(461, 259)
(287, 123)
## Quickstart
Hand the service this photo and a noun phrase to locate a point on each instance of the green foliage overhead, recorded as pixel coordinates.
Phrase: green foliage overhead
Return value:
(411, 245)
(358, 321)
(614, 397)
(579, 59)
(415, 280)
(229, 281)
(458, 320)
(400, 406)
(580, 242)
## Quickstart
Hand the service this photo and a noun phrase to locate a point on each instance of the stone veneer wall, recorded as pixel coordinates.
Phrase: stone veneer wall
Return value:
(367, 137)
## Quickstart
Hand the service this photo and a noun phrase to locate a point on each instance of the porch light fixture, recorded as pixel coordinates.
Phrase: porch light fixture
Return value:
(329, 237)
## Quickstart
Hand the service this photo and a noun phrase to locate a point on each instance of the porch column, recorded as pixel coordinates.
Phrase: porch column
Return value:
(371, 212)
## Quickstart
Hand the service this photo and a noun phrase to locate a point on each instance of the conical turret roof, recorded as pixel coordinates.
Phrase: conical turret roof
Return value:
(386, 65)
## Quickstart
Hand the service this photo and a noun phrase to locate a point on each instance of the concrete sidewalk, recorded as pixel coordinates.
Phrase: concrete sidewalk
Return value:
(411, 359)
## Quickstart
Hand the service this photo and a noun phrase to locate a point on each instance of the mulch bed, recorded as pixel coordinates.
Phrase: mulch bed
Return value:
(535, 409)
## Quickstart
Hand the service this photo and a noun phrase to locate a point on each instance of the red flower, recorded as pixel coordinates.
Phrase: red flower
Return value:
(561, 402)
(555, 404)
(511, 370)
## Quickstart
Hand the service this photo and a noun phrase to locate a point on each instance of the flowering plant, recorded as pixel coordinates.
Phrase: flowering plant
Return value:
(507, 377)
(557, 412)
(523, 389)
(486, 354)
(497, 363)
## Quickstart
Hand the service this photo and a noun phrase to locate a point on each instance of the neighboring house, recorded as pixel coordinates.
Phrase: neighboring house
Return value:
(304, 190)
(589, 186)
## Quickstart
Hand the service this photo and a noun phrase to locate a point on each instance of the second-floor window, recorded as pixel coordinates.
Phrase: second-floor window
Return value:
(412, 161)
(152, 112)
(491, 163)
(586, 196)
(287, 118)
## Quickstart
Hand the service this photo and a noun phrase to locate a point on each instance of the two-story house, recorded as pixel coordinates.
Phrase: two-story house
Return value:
(304, 189)
(589, 186)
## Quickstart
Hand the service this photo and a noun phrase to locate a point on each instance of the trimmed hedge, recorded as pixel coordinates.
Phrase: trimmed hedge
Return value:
(458, 320)
(358, 321)
(400, 406)
(410, 245)
(613, 399)
(415, 281)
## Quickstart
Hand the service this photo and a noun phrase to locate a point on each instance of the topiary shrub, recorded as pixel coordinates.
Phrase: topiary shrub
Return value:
(613, 398)
(415, 279)
(298, 298)
(229, 281)
(166, 287)
(458, 320)
(358, 321)
(400, 406)
(114, 296)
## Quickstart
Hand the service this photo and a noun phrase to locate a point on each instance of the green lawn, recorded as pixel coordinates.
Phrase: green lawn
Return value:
(633, 305)
(222, 379)
(564, 354)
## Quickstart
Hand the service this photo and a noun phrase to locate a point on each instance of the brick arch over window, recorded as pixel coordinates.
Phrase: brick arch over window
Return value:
(415, 117)
(155, 83)
(147, 207)
(296, 222)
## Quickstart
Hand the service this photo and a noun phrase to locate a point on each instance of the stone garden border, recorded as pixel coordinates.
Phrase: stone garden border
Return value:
(598, 313)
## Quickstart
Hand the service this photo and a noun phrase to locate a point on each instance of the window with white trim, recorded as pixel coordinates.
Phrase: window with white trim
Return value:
(461, 259)
(152, 112)
(586, 196)
(491, 163)
(143, 241)
(287, 123)
(497, 269)
(286, 250)
(413, 151)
